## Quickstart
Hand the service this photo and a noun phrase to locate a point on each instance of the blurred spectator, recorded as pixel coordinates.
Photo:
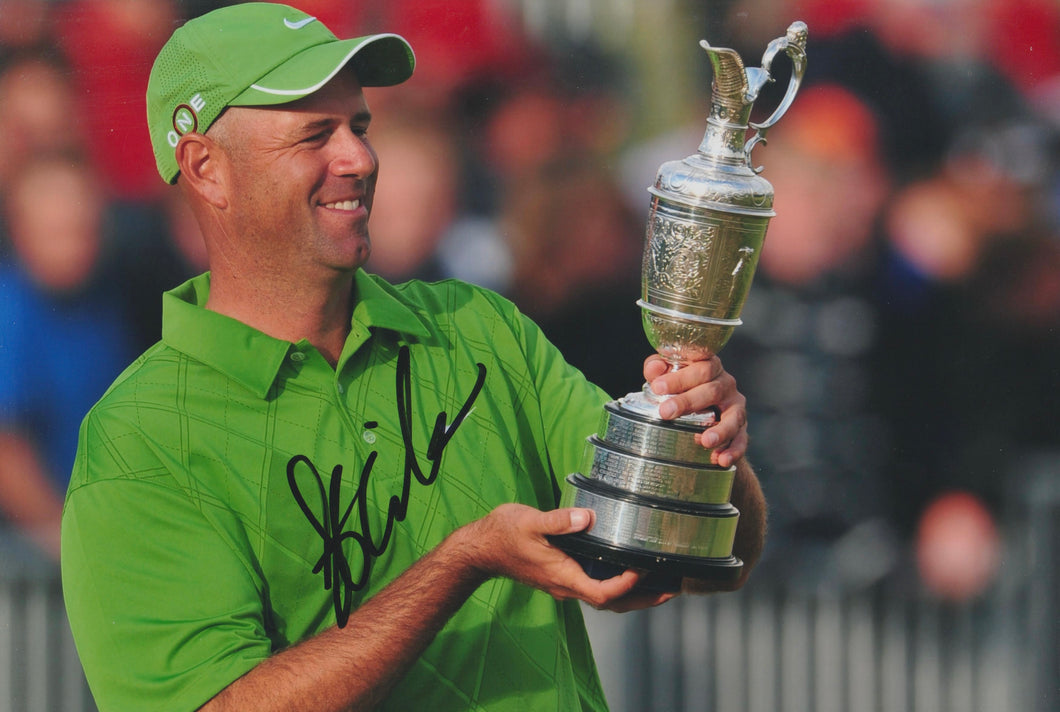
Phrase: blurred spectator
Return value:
(572, 106)
(851, 49)
(417, 200)
(830, 185)
(468, 54)
(420, 225)
(576, 248)
(526, 131)
(154, 246)
(1025, 42)
(565, 107)
(434, 211)
(112, 45)
(37, 110)
(457, 42)
(25, 24)
(62, 337)
(971, 292)
(958, 548)
(596, 93)
(986, 189)
(957, 262)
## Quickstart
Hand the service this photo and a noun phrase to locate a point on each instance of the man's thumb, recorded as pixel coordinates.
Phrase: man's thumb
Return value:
(567, 521)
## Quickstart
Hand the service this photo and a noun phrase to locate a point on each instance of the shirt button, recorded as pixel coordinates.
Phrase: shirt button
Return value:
(340, 388)
(298, 357)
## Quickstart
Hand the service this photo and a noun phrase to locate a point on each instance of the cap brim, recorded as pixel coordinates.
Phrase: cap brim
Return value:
(377, 61)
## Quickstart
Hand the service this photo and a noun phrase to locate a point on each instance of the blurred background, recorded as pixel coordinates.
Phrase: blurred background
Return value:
(900, 348)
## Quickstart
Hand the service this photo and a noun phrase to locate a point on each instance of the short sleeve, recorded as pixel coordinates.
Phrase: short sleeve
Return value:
(184, 621)
(571, 406)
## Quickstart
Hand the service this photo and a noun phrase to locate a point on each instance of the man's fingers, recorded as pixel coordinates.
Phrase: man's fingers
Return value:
(728, 455)
(601, 594)
(732, 422)
(728, 438)
(635, 601)
(686, 378)
(654, 366)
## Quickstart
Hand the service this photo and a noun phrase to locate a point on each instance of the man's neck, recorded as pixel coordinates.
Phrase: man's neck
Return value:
(289, 311)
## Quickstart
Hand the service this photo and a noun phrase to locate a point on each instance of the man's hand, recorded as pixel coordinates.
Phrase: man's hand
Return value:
(512, 541)
(696, 387)
(386, 634)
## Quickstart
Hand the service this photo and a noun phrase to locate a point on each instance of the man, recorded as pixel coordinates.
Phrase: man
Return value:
(320, 491)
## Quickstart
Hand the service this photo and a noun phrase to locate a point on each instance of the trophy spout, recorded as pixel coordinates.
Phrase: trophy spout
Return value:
(734, 90)
(731, 95)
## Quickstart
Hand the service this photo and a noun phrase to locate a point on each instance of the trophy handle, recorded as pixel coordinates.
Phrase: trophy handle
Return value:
(793, 44)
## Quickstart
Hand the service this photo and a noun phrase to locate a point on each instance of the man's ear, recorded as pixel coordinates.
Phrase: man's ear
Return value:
(202, 163)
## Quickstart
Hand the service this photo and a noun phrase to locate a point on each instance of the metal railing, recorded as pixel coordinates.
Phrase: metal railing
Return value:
(39, 668)
(764, 649)
(893, 648)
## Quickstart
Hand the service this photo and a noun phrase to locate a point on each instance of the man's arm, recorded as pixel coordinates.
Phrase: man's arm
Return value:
(26, 495)
(355, 667)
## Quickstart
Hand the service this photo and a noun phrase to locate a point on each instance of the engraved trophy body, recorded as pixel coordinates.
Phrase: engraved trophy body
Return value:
(659, 503)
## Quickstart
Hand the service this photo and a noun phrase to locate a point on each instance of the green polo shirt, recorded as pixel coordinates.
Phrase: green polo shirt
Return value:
(234, 494)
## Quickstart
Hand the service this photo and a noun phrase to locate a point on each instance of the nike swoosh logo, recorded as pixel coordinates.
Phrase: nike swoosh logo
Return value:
(297, 25)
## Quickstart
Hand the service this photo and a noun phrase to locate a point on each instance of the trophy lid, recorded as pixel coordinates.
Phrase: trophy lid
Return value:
(698, 181)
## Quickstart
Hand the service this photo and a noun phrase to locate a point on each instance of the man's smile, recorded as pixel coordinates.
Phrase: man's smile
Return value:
(349, 205)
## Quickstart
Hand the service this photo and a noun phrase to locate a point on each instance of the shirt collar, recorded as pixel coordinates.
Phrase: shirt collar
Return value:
(378, 304)
(251, 357)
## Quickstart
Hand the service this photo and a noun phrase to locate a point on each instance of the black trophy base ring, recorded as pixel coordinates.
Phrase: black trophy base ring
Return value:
(602, 560)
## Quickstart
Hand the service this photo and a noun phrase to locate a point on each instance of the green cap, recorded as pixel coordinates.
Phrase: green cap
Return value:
(254, 54)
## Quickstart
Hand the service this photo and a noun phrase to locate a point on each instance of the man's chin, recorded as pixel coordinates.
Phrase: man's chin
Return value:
(352, 256)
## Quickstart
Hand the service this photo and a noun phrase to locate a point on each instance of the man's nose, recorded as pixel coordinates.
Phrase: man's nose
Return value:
(353, 155)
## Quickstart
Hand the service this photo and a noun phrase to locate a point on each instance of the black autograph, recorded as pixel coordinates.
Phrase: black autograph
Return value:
(331, 524)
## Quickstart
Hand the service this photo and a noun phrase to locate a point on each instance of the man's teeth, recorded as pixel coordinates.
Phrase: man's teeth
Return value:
(344, 205)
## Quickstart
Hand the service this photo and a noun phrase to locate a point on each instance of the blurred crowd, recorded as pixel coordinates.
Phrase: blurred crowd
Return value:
(900, 345)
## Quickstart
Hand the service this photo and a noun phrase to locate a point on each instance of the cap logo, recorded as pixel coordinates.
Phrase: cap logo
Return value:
(185, 119)
(291, 25)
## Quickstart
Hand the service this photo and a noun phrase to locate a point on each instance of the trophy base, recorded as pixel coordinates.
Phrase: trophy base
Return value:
(661, 507)
(603, 560)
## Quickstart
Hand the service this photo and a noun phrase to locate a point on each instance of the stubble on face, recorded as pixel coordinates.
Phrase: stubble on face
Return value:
(300, 178)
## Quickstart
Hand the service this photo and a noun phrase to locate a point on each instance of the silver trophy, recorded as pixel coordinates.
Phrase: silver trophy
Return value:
(659, 503)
